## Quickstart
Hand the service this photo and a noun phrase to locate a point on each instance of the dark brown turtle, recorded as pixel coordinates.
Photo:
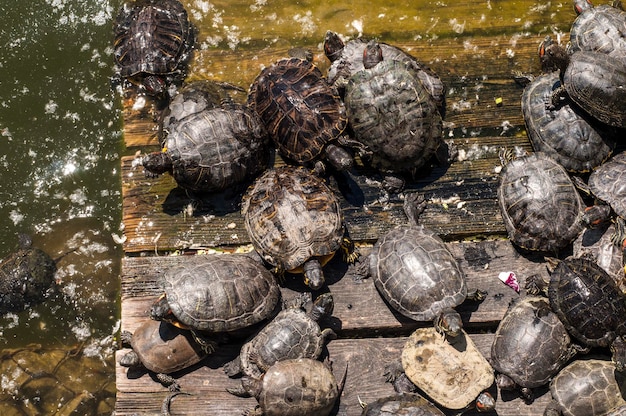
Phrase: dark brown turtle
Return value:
(293, 333)
(295, 222)
(161, 348)
(216, 294)
(590, 387)
(588, 302)
(404, 404)
(600, 28)
(590, 79)
(295, 387)
(26, 277)
(153, 43)
(540, 206)
(392, 114)
(347, 59)
(417, 275)
(530, 346)
(302, 113)
(608, 183)
(209, 146)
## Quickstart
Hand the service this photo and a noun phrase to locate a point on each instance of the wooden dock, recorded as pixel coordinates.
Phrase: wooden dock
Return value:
(160, 219)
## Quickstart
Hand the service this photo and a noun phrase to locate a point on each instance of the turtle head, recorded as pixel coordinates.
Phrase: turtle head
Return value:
(372, 54)
(157, 163)
(552, 55)
(130, 359)
(485, 402)
(313, 275)
(449, 323)
(323, 306)
(160, 309)
(618, 353)
(582, 5)
(333, 46)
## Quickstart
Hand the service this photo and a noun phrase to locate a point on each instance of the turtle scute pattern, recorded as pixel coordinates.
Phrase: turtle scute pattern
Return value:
(598, 28)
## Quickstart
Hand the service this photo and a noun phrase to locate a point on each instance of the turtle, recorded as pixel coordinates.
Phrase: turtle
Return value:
(540, 206)
(161, 348)
(295, 222)
(416, 274)
(293, 333)
(590, 79)
(347, 59)
(589, 387)
(568, 135)
(302, 114)
(600, 28)
(404, 404)
(608, 184)
(216, 294)
(588, 302)
(293, 387)
(153, 43)
(530, 346)
(26, 276)
(392, 114)
(211, 150)
(453, 374)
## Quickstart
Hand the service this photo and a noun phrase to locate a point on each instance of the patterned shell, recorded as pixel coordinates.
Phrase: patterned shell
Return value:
(300, 110)
(417, 275)
(220, 293)
(539, 204)
(608, 183)
(600, 28)
(291, 216)
(152, 37)
(566, 134)
(394, 116)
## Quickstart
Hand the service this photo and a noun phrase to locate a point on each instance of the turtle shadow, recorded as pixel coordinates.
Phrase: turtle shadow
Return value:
(181, 201)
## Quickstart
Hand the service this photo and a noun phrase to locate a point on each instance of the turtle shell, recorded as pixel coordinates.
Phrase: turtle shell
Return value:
(566, 134)
(301, 112)
(163, 348)
(298, 387)
(347, 59)
(220, 293)
(212, 149)
(587, 301)
(453, 373)
(292, 216)
(531, 344)
(394, 116)
(152, 37)
(416, 274)
(402, 405)
(592, 80)
(608, 183)
(588, 387)
(26, 275)
(540, 206)
(600, 28)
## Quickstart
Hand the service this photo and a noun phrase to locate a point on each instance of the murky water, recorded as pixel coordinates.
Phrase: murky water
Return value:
(60, 146)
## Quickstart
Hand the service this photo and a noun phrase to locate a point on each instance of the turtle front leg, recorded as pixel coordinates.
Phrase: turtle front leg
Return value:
(558, 98)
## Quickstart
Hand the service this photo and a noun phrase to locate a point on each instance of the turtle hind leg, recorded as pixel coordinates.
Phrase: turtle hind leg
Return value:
(208, 345)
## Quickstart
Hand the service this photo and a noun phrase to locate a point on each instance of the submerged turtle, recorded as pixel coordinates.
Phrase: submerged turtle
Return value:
(392, 114)
(587, 387)
(294, 387)
(568, 135)
(347, 59)
(530, 346)
(453, 374)
(295, 222)
(404, 404)
(540, 205)
(303, 115)
(213, 149)
(417, 275)
(293, 333)
(590, 79)
(26, 276)
(600, 28)
(153, 43)
(161, 348)
(216, 294)
(588, 302)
